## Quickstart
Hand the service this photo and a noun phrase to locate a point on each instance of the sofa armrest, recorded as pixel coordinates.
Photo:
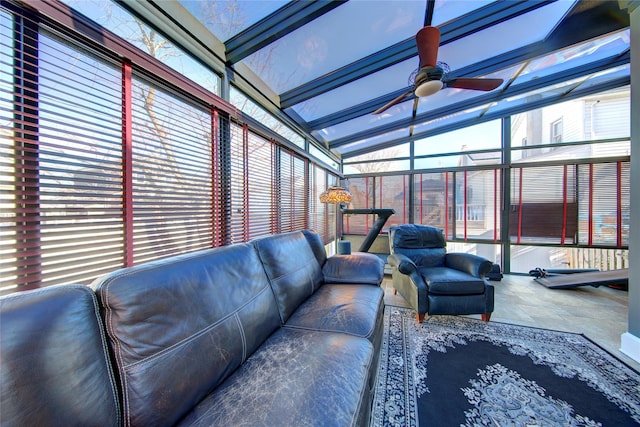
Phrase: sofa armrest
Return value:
(356, 268)
(402, 263)
(474, 265)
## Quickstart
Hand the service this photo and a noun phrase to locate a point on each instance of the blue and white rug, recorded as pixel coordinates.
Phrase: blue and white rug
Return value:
(458, 371)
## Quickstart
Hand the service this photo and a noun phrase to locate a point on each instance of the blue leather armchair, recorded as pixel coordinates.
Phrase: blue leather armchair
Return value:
(433, 281)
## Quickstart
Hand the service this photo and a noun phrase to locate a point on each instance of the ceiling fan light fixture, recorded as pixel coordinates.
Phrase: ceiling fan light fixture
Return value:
(428, 88)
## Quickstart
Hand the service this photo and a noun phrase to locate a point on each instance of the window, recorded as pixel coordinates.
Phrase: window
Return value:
(318, 212)
(60, 168)
(292, 195)
(556, 131)
(171, 174)
(382, 192)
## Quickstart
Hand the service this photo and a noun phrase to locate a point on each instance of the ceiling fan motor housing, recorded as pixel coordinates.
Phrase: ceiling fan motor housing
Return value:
(428, 81)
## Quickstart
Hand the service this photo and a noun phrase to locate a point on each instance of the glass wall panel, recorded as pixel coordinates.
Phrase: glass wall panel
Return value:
(362, 193)
(526, 258)
(433, 202)
(479, 137)
(392, 192)
(119, 21)
(492, 252)
(478, 204)
(244, 104)
(386, 165)
(595, 117)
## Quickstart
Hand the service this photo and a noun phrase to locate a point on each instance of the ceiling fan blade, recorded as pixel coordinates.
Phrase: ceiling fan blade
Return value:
(393, 102)
(474, 84)
(428, 41)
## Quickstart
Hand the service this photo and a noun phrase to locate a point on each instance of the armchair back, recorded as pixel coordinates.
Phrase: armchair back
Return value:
(423, 244)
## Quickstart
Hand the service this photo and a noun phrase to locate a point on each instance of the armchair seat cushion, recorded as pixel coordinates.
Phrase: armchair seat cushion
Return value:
(447, 281)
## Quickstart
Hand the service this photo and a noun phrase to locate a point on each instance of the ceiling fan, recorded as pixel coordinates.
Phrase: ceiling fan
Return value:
(431, 76)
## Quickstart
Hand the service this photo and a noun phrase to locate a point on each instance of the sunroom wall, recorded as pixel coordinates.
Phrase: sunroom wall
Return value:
(109, 162)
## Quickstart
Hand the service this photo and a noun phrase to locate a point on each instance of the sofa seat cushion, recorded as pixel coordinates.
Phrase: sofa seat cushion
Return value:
(297, 378)
(352, 309)
(447, 281)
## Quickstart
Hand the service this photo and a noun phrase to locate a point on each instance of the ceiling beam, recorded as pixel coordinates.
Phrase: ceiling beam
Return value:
(283, 21)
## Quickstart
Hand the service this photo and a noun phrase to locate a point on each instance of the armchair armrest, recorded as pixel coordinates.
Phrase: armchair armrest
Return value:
(402, 263)
(356, 268)
(474, 265)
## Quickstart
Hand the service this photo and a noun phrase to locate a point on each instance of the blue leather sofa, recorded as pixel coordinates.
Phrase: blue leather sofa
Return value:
(270, 332)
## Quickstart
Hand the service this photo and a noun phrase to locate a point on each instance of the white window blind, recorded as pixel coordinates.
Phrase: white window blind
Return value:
(262, 214)
(292, 188)
(318, 219)
(61, 203)
(172, 195)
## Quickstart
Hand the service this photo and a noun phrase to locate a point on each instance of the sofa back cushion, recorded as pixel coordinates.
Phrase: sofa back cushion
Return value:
(54, 360)
(315, 241)
(292, 268)
(423, 244)
(179, 326)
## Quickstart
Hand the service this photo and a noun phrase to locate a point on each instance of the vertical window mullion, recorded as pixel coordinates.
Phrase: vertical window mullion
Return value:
(127, 162)
(27, 156)
(245, 163)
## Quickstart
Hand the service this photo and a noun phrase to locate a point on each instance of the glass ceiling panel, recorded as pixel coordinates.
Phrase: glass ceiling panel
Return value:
(606, 75)
(368, 121)
(446, 10)
(240, 101)
(494, 40)
(460, 116)
(226, 18)
(371, 142)
(554, 91)
(353, 30)
(354, 93)
(575, 56)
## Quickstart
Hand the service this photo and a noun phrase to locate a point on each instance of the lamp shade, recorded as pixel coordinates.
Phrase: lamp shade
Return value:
(335, 195)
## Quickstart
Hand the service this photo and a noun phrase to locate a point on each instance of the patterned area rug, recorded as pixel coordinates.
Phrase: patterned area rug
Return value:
(457, 371)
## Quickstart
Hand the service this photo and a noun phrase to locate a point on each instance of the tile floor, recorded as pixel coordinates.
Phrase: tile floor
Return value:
(599, 313)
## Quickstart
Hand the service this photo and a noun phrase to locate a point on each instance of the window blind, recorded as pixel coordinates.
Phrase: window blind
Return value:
(318, 216)
(604, 195)
(362, 198)
(107, 163)
(392, 193)
(544, 206)
(236, 164)
(61, 203)
(292, 193)
(262, 206)
(171, 174)
(433, 200)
